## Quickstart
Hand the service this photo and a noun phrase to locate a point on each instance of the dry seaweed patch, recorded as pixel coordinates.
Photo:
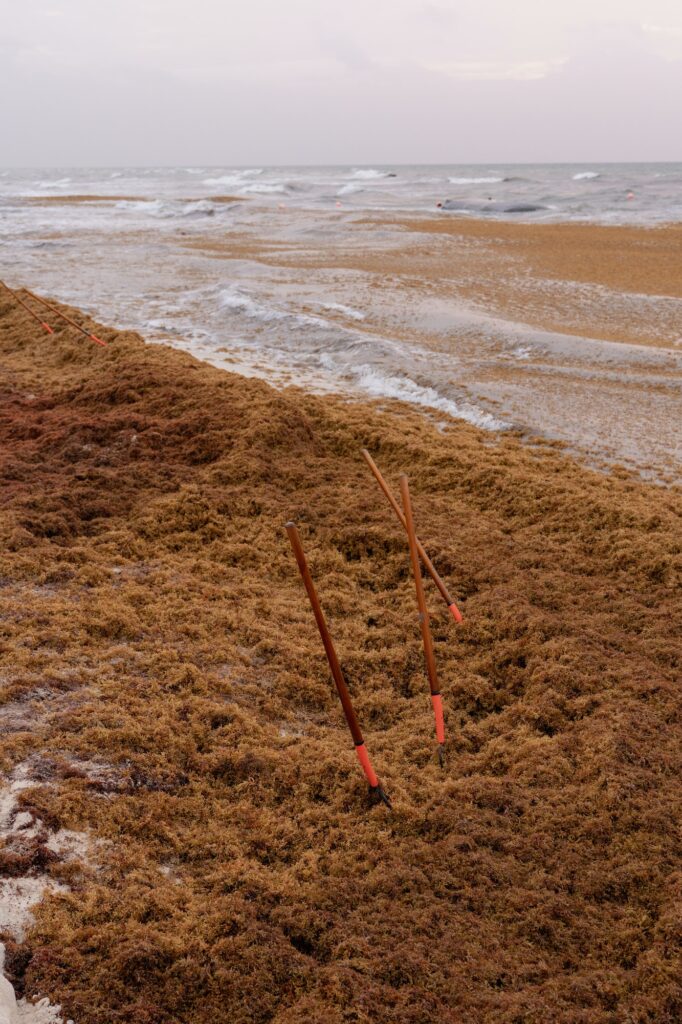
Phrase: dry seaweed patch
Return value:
(147, 585)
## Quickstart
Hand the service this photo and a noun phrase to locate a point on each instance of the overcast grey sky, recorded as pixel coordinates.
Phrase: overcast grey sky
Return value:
(356, 81)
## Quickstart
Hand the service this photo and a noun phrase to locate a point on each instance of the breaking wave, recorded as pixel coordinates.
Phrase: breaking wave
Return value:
(59, 183)
(368, 173)
(159, 208)
(475, 181)
(405, 389)
(263, 189)
(348, 311)
(241, 302)
(234, 177)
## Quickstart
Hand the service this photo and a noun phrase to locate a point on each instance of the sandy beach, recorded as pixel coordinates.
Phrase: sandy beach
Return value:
(178, 780)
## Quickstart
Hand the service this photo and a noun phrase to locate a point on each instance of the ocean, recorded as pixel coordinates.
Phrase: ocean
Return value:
(327, 277)
(601, 193)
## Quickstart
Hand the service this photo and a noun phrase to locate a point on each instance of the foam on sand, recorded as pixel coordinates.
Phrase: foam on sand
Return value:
(19, 895)
(403, 388)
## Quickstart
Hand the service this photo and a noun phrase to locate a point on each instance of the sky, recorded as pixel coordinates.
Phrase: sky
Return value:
(220, 82)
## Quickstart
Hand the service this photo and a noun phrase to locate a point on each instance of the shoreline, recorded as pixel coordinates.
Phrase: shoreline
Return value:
(166, 697)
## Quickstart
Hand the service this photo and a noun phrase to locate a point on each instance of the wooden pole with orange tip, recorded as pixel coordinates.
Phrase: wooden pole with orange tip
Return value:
(424, 620)
(454, 610)
(58, 312)
(27, 308)
(363, 757)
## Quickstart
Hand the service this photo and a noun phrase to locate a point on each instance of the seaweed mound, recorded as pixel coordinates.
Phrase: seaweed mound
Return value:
(165, 691)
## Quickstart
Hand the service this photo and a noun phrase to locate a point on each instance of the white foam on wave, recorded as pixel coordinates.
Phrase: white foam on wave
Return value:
(368, 173)
(159, 208)
(59, 183)
(348, 190)
(405, 389)
(276, 188)
(198, 207)
(586, 175)
(243, 303)
(225, 179)
(475, 181)
(338, 307)
(234, 177)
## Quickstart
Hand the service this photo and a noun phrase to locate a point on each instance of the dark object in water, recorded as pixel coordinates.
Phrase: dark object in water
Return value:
(524, 208)
(464, 207)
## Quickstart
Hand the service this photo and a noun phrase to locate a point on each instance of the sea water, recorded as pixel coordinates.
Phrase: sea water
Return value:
(255, 269)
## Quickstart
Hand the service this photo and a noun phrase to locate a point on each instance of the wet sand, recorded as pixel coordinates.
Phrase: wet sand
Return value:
(164, 696)
(570, 333)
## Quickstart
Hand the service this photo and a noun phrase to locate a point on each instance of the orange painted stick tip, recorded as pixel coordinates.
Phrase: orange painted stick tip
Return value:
(48, 328)
(375, 787)
(456, 613)
(438, 712)
(363, 758)
(99, 341)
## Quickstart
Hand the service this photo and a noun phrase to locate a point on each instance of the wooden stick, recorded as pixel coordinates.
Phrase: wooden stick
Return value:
(337, 674)
(424, 619)
(58, 312)
(454, 610)
(27, 308)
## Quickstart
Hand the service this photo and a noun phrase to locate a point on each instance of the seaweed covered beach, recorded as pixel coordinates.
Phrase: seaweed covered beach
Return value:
(181, 803)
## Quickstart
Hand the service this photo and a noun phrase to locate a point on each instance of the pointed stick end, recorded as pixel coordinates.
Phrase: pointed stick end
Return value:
(441, 756)
(378, 795)
(99, 341)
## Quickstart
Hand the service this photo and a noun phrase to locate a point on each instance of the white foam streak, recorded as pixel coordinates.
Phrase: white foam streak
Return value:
(264, 189)
(159, 208)
(405, 389)
(234, 177)
(475, 181)
(60, 183)
(367, 173)
(338, 307)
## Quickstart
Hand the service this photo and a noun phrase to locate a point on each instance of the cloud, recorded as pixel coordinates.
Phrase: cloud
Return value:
(521, 71)
(346, 51)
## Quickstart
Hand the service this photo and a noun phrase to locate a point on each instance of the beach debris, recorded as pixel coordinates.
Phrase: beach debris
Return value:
(454, 610)
(58, 312)
(27, 308)
(424, 621)
(376, 791)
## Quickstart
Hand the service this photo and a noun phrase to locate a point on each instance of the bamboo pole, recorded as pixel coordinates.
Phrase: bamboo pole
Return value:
(337, 674)
(454, 610)
(27, 308)
(58, 312)
(424, 621)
